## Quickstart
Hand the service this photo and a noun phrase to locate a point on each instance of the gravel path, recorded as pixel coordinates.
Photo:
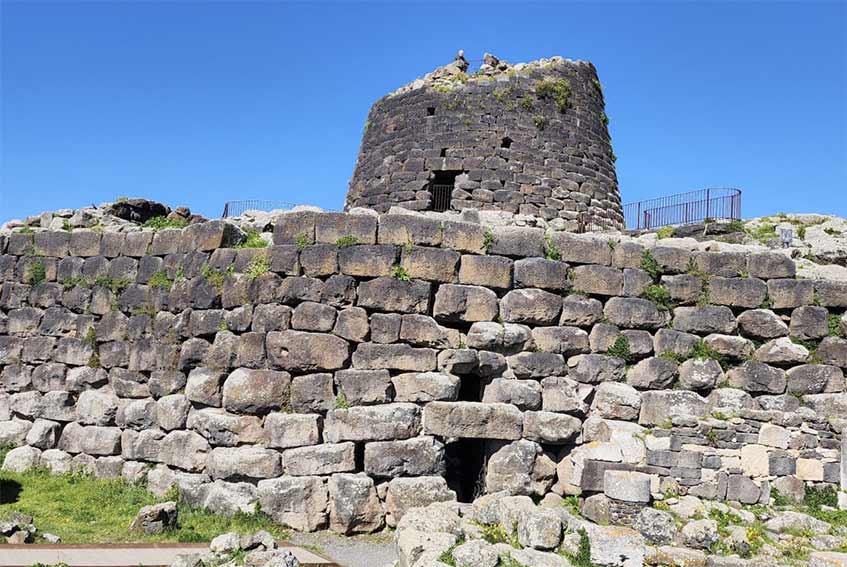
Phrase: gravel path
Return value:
(375, 550)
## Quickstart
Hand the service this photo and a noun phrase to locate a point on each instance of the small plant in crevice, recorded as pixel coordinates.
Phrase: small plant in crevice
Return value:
(497, 533)
(557, 89)
(346, 241)
(115, 285)
(254, 240)
(341, 402)
(488, 241)
(665, 232)
(216, 277)
(604, 119)
(259, 265)
(36, 273)
(621, 349)
(400, 273)
(551, 251)
(159, 223)
(582, 557)
(527, 103)
(301, 240)
(834, 322)
(539, 121)
(160, 280)
(67, 226)
(650, 265)
(659, 295)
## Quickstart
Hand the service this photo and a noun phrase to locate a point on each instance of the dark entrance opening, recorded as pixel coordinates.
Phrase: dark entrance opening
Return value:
(506, 143)
(430, 111)
(441, 189)
(466, 468)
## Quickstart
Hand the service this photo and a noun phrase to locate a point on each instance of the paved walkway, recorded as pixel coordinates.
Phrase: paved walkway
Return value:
(120, 555)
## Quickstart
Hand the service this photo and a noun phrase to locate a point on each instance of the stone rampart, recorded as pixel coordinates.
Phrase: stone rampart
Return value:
(364, 365)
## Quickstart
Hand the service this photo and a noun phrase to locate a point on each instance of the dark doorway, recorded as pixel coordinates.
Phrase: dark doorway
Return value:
(430, 111)
(441, 189)
(466, 468)
(506, 142)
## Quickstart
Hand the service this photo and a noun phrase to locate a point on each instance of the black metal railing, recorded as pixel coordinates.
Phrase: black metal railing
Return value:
(684, 208)
(441, 196)
(235, 208)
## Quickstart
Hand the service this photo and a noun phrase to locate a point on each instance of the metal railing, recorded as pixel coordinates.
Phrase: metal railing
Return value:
(684, 208)
(235, 208)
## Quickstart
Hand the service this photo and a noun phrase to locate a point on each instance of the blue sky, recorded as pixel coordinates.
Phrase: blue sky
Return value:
(197, 103)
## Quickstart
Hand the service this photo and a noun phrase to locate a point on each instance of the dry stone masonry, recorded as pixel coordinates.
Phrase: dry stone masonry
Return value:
(530, 138)
(364, 365)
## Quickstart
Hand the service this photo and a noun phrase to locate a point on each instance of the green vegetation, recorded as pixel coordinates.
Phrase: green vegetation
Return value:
(497, 533)
(527, 103)
(122, 199)
(341, 402)
(582, 558)
(539, 121)
(510, 562)
(801, 233)
(216, 277)
(81, 509)
(160, 280)
(604, 119)
(442, 88)
(763, 233)
(501, 94)
(36, 273)
(659, 295)
(400, 273)
(557, 89)
(301, 241)
(621, 349)
(736, 226)
(488, 241)
(259, 264)
(346, 241)
(597, 85)
(701, 351)
(551, 251)
(159, 223)
(832, 231)
(25, 230)
(571, 502)
(835, 325)
(112, 284)
(665, 232)
(651, 266)
(254, 240)
(67, 226)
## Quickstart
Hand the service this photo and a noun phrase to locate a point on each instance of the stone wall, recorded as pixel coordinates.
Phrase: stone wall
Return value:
(363, 365)
(514, 149)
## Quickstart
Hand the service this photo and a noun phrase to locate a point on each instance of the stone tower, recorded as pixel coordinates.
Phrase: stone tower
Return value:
(530, 138)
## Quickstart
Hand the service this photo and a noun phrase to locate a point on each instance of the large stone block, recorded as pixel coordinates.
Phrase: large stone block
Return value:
(567, 341)
(330, 227)
(520, 468)
(531, 306)
(551, 428)
(423, 387)
(465, 303)
(627, 486)
(354, 506)
(657, 407)
(256, 391)
(756, 377)
(634, 313)
(394, 295)
(91, 440)
(704, 320)
(300, 351)
(320, 459)
(419, 456)
(373, 423)
(597, 280)
(185, 450)
(523, 394)
(367, 261)
(370, 356)
(788, 294)
(431, 264)
(488, 271)
(542, 273)
(737, 292)
(364, 387)
(287, 430)
(472, 420)
(297, 502)
(400, 230)
(243, 463)
(403, 494)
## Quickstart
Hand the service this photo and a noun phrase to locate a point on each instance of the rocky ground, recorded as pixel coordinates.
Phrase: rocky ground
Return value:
(230, 550)
(512, 531)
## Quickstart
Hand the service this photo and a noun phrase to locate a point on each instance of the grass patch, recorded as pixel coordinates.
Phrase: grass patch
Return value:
(400, 273)
(216, 277)
(551, 251)
(341, 402)
(112, 284)
(764, 232)
(497, 533)
(346, 241)
(539, 121)
(301, 241)
(159, 223)
(81, 509)
(559, 90)
(260, 264)
(665, 232)
(254, 240)
(161, 280)
(582, 557)
(621, 349)
(650, 265)
(835, 325)
(659, 295)
(488, 241)
(36, 273)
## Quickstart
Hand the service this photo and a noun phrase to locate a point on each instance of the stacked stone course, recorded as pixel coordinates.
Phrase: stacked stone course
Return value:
(330, 387)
